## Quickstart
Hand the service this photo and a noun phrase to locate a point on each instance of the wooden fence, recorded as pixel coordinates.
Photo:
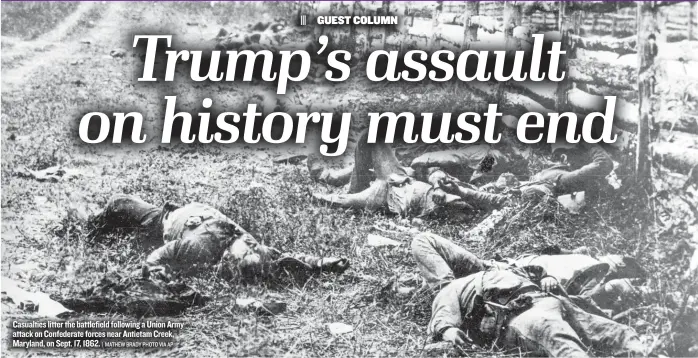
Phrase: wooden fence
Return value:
(645, 54)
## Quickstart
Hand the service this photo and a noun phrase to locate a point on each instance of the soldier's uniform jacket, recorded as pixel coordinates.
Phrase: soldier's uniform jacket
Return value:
(195, 234)
(562, 181)
(462, 303)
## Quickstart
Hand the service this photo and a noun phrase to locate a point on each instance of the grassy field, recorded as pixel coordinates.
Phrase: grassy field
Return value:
(44, 239)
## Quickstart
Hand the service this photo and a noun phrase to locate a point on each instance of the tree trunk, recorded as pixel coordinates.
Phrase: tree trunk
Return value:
(560, 14)
(647, 50)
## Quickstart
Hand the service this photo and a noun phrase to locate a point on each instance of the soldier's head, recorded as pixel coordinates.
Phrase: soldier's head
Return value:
(436, 200)
(535, 192)
(507, 180)
(568, 154)
(247, 259)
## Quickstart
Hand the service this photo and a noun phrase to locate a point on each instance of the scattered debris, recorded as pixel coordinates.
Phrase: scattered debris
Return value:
(614, 181)
(53, 174)
(261, 308)
(135, 296)
(290, 159)
(572, 202)
(438, 348)
(337, 328)
(407, 284)
(118, 53)
(24, 268)
(38, 302)
(380, 241)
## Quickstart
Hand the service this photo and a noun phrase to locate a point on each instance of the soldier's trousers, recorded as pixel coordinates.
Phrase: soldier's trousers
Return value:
(556, 327)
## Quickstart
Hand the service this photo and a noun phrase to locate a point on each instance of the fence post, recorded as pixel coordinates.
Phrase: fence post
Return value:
(647, 51)
(385, 6)
(512, 16)
(577, 20)
(691, 19)
(472, 8)
(565, 85)
(435, 37)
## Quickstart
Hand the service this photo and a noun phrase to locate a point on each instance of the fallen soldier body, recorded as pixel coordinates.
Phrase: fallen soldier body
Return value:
(190, 239)
(604, 279)
(558, 180)
(561, 179)
(395, 189)
(377, 181)
(197, 236)
(520, 304)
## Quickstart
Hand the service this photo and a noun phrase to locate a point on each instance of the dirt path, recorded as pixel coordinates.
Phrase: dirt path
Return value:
(45, 50)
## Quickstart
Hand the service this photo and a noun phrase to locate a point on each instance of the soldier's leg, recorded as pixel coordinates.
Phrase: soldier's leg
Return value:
(440, 260)
(312, 263)
(126, 211)
(373, 198)
(377, 156)
(132, 213)
(335, 171)
(480, 199)
(542, 329)
(604, 334)
(362, 176)
(615, 294)
(364, 192)
(334, 177)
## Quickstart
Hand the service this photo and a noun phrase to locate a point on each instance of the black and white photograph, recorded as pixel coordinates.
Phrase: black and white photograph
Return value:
(349, 178)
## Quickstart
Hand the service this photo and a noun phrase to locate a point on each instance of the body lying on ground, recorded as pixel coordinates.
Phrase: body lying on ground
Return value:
(395, 189)
(521, 304)
(605, 280)
(561, 179)
(194, 238)
(197, 236)
(377, 181)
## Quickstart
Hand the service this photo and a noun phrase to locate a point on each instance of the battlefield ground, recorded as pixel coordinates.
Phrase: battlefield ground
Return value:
(66, 59)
